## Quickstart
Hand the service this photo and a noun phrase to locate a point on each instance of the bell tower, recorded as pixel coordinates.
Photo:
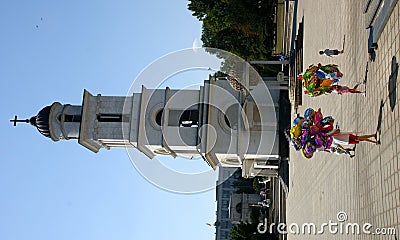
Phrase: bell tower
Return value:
(223, 126)
(155, 121)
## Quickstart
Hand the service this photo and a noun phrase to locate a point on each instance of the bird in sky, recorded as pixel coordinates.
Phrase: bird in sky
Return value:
(41, 19)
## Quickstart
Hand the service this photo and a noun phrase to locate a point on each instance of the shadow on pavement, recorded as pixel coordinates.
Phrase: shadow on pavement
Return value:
(366, 74)
(372, 56)
(392, 83)
(379, 127)
(372, 46)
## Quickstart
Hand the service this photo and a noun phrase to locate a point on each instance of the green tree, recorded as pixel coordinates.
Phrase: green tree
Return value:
(243, 27)
(256, 185)
(243, 185)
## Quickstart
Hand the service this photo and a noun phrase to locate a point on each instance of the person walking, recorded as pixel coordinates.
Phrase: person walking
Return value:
(330, 52)
(344, 89)
(345, 139)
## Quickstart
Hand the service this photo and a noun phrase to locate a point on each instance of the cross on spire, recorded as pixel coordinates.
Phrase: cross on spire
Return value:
(15, 120)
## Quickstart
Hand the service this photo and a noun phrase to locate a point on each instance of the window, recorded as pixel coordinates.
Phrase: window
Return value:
(227, 184)
(159, 117)
(70, 118)
(226, 194)
(229, 118)
(189, 118)
(225, 214)
(239, 207)
(225, 234)
(225, 225)
(109, 117)
(186, 118)
(227, 121)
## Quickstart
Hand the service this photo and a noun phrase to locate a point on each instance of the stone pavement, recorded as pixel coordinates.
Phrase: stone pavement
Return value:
(366, 187)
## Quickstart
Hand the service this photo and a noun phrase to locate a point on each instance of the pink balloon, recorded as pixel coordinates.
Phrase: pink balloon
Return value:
(328, 142)
(319, 141)
(318, 117)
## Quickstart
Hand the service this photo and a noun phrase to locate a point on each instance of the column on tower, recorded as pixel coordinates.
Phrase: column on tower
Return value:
(108, 120)
(64, 121)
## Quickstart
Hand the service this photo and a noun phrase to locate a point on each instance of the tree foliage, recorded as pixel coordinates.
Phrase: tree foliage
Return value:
(256, 185)
(243, 185)
(243, 27)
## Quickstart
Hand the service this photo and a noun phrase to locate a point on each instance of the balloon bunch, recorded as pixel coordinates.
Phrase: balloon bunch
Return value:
(318, 80)
(310, 132)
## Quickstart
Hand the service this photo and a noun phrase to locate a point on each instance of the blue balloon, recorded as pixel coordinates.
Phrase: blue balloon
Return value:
(321, 75)
(307, 112)
(297, 120)
(326, 119)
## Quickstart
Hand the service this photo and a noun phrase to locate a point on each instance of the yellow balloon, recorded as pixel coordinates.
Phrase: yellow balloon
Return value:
(295, 131)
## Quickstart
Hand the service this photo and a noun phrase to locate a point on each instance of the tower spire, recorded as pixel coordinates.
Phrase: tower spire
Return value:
(16, 120)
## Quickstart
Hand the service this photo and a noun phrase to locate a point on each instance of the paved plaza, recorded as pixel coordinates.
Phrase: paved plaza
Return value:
(366, 187)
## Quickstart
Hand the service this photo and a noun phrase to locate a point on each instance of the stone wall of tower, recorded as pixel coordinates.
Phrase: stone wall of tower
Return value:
(110, 121)
(152, 102)
(155, 121)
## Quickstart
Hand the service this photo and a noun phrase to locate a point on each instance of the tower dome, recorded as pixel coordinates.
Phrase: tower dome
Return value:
(42, 121)
(57, 121)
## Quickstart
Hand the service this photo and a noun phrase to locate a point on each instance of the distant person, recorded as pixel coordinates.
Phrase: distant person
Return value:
(330, 52)
(281, 56)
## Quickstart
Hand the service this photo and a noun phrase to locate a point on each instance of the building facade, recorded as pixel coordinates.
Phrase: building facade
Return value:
(224, 191)
(241, 205)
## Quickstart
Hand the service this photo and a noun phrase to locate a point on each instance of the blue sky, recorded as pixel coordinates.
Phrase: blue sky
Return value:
(51, 51)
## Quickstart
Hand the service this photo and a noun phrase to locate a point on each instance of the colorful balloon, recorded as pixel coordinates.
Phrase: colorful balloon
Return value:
(298, 120)
(318, 116)
(318, 80)
(306, 155)
(308, 112)
(328, 142)
(295, 131)
(311, 132)
(319, 141)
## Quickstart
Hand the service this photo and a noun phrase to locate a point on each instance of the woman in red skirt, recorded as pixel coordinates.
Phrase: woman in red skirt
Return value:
(349, 139)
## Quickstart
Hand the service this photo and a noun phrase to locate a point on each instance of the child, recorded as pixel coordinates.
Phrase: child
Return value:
(339, 149)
